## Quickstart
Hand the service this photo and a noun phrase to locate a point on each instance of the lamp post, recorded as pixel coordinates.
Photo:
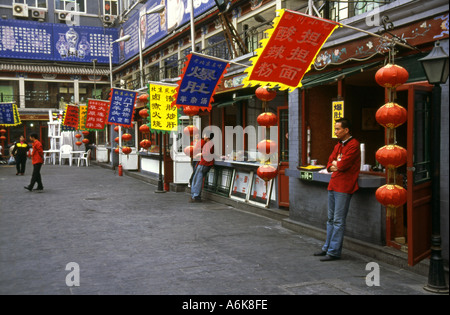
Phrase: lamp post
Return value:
(121, 39)
(436, 69)
(157, 9)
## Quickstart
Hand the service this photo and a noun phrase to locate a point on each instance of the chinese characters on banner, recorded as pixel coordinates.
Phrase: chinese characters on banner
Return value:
(82, 122)
(338, 113)
(121, 107)
(163, 116)
(291, 48)
(9, 115)
(96, 114)
(71, 116)
(199, 81)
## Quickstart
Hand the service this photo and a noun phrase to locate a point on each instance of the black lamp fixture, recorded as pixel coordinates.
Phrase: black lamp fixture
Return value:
(435, 65)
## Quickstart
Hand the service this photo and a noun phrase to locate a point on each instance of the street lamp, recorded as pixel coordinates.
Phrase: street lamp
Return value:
(157, 9)
(121, 39)
(435, 65)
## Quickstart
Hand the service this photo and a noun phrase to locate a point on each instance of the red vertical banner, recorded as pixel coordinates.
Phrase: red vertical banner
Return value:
(71, 116)
(287, 54)
(96, 114)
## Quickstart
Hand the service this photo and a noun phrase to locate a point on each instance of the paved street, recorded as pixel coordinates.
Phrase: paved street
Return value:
(127, 239)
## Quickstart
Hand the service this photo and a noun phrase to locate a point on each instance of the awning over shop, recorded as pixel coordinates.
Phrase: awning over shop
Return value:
(333, 76)
(237, 99)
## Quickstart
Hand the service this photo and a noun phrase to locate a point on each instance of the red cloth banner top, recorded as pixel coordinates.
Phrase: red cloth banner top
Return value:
(291, 48)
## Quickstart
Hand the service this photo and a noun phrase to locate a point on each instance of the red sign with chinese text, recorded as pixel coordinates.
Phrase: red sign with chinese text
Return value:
(71, 116)
(290, 50)
(96, 114)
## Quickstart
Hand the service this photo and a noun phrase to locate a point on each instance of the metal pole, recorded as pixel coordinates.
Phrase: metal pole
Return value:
(160, 179)
(191, 4)
(141, 66)
(436, 276)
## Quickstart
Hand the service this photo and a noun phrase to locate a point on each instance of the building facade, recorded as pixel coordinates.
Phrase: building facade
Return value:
(344, 71)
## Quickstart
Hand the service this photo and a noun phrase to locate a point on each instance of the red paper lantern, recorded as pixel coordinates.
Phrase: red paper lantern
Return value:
(391, 76)
(126, 150)
(116, 139)
(144, 128)
(190, 130)
(191, 110)
(2, 138)
(2, 131)
(78, 143)
(145, 143)
(85, 132)
(391, 195)
(144, 113)
(266, 172)
(391, 156)
(189, 150)
(391, 115)
(116, 128)
(264, 94)
(127, 137)
(143, 98)
(117, 150)
(267, 119)
(78, 136)
(267, 147)
(85, 141)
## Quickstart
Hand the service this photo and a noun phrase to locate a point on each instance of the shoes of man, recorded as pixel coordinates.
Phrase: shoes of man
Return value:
(39, 189)
(329, 258)
(27, 188)
(320, 253)
(195, 200)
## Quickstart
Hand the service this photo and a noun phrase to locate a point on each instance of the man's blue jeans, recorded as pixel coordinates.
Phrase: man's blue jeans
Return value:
(197, 180)
(338, 204)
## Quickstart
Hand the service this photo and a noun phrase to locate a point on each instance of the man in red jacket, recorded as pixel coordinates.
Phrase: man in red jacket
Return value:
(344, 163)
(37, 159)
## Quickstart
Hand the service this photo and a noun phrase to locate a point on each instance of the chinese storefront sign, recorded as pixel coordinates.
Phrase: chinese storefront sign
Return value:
(241, 184)
(163, 116)
(71, 116)
(199, 81)
(82, 122)
(121, 107)
(96, 114)
(260, 190)
(9, 115)
(287, 54)
(337, 113)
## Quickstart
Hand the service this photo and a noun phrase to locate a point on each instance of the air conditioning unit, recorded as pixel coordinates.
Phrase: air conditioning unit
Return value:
(62, 16)
(108, 19)
(20, 9)
(38, 13)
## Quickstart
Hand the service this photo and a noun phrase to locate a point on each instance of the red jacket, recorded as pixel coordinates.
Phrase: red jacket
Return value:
(38, 153)
(348, 155)
(207, 150)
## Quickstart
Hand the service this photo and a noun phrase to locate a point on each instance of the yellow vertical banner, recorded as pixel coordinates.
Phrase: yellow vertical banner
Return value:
(163, 116)
(337, 113)
(82, 121)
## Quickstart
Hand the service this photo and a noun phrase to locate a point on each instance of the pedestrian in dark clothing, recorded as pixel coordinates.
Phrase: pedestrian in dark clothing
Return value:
(20, 154)
(344, 163)
(37, 158)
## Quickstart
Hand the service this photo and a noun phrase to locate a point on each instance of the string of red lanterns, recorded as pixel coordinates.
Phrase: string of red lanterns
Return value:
(391, 156)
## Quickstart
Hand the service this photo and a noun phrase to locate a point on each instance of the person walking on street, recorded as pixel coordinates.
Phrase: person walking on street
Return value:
(20, 154)
(37, 159)
(344, 163)
(206, 156)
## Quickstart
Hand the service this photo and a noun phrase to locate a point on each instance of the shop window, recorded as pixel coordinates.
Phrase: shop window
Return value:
(111, 7)
(33, 3)
(344, 9)
(71, 5)
(9, 91)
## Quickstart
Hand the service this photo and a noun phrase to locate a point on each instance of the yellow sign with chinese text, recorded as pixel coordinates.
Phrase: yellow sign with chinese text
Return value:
(337, 113)
(83, 112)
(163, 116)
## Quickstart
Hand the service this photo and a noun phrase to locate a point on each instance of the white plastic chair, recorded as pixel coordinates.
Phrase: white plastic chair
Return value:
(47, 156)
(85, 157)
(65, 153)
